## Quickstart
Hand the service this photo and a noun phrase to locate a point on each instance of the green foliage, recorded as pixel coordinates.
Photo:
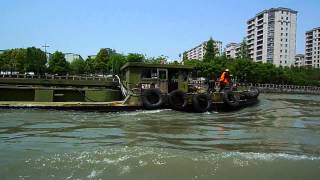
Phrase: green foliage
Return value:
(77, 66)
(89, 66)
(101, 61)
(211, 51)
(134, 57)
(24, 60)
(116, 62)
(244, 51)
(58, 64)
(245, 70)
(156, 60)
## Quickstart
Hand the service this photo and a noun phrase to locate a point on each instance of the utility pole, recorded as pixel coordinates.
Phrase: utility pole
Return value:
(45, 46)
(45, 51)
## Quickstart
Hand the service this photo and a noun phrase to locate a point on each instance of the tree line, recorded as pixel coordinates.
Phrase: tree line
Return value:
(25, 60)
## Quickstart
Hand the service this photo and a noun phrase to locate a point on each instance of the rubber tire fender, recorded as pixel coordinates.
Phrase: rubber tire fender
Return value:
(177, 100)
(152, 99)
(201, 102)
(230, 98)
(254, 92)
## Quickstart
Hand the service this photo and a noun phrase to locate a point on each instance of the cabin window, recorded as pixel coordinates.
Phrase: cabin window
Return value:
(162, 74)
(149, 73)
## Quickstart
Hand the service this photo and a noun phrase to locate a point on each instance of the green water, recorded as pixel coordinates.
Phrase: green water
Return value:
(278, 138)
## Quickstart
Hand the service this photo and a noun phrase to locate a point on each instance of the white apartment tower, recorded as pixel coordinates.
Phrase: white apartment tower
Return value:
(312, 51)
(199, 51)
(299, 60)
(232, 50)
(271, 36)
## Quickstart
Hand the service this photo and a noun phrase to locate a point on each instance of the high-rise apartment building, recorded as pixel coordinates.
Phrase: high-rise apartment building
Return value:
(199, 51)
(312, 51)
(232, 50)
(299, 60)
(271, 36)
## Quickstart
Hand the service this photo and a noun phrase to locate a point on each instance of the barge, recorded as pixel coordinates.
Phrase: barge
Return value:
(139, 86)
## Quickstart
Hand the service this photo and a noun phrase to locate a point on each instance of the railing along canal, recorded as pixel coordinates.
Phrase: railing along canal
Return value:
(284, 88)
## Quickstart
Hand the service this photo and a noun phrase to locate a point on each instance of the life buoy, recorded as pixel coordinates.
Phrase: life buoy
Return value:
(152, 98)
(201, 102)
(230, 98)
(177, 100)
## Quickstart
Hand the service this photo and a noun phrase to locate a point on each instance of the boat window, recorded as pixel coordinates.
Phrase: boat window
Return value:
(162, 74)
(149, 73)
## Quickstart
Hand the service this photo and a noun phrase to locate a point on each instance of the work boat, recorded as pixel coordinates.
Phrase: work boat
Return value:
(138, 86)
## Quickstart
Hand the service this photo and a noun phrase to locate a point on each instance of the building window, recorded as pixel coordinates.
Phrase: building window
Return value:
(280, 62)
(280, 56)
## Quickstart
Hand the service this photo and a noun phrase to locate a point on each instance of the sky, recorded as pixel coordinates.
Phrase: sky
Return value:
(150, 27)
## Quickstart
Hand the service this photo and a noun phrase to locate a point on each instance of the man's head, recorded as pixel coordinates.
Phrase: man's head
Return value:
(227, 71)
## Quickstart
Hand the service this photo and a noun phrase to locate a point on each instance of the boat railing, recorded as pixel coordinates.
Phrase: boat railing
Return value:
(54, 77)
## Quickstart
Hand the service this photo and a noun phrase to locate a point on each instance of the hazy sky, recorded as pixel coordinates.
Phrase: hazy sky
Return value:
(151, 27)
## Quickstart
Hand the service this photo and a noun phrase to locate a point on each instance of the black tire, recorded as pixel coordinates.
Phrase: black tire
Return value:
(230, 98)
(152, 99)
(254, 92)
(201, 103)
(177, 100)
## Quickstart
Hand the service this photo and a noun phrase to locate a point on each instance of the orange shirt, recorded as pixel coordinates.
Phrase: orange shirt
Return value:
(225, 78)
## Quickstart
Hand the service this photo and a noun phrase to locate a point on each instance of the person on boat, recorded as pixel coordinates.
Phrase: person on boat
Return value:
(224, 79)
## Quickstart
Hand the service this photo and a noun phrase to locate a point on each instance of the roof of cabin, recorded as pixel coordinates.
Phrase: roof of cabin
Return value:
(165, 66)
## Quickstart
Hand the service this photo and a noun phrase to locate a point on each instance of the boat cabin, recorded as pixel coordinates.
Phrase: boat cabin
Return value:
(166, 77)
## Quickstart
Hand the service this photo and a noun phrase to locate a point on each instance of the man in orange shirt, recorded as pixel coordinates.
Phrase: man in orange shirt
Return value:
(224, 79)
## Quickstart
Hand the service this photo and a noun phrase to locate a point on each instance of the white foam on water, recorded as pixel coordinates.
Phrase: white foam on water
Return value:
(144, 112)
(268, 156)
(92, 174)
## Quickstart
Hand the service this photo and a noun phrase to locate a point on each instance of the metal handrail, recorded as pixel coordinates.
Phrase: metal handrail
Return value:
(51, 77)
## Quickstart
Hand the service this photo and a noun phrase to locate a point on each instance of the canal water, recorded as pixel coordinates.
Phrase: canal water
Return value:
(278, 138)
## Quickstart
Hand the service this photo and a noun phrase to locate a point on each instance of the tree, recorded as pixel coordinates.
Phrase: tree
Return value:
(116, 62)
(77, 66)
(58, 63)
(244, 51)
(89, 65)
(18, 60)
(101, 61)
(158, 60)
(36, 60)
(211, 51)
(134, 57)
